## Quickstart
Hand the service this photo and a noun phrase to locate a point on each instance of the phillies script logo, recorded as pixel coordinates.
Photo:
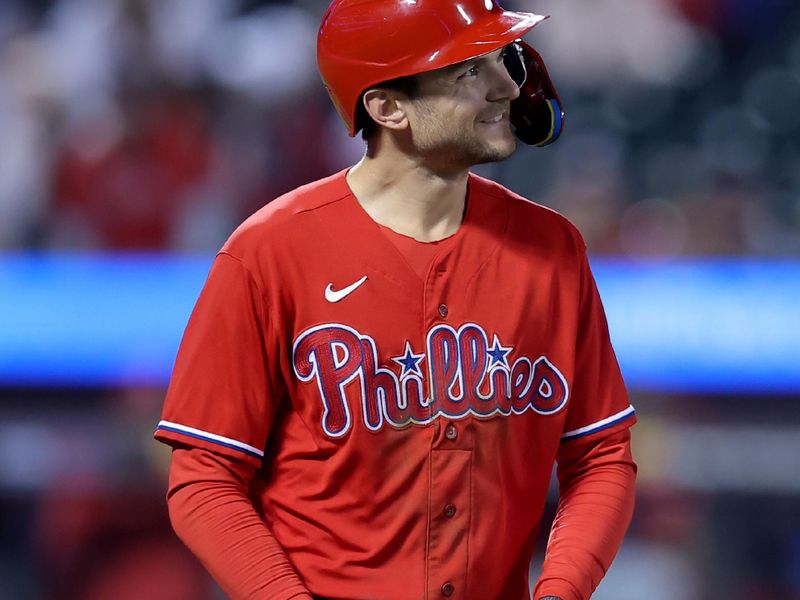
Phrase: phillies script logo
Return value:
(466, 375)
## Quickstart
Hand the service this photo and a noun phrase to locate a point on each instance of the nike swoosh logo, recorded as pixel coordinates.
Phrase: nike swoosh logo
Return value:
(332, 295)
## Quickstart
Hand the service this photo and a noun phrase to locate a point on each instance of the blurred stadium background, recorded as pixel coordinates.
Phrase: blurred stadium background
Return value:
(136, 134)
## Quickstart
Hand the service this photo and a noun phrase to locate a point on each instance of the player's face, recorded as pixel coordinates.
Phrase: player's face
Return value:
(461, 114)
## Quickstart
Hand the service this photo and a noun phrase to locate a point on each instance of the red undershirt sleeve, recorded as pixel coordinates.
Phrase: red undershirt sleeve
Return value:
(596, 480)
(212, 514)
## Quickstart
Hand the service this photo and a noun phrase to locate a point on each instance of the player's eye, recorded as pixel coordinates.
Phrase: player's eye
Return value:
(471, 72)
(474, 70)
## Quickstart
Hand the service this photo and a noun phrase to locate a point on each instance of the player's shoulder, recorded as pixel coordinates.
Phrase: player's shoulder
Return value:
(285, 216)
(525, 216)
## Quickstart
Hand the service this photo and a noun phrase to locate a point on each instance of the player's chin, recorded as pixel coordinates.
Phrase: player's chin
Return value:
(500, 149)
(499, 138)
(491, 154)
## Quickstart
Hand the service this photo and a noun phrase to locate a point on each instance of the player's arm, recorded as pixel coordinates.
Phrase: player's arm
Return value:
(223, 396)
(597, 485)
(211, 513)
(596, 471)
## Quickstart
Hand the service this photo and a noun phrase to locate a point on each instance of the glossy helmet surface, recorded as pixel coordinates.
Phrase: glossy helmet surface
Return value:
(362, 43)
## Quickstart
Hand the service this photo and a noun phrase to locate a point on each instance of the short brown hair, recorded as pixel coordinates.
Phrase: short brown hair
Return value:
(408, 85)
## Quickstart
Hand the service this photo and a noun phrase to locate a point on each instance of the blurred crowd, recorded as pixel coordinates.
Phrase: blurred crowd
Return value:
(160, 125)
(151, 125)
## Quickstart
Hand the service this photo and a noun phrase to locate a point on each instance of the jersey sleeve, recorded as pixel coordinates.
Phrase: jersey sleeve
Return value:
(599, 399)
(223, 394)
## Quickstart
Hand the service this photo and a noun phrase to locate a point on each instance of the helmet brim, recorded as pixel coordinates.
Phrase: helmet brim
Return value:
(492, 32)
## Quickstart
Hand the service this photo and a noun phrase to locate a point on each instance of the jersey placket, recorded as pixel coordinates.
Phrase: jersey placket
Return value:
(450, 502)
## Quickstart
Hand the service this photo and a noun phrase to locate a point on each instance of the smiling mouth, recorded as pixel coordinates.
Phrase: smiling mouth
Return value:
(495, 119)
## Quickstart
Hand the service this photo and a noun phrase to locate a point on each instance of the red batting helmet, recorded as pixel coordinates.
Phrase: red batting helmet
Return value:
(362, 43)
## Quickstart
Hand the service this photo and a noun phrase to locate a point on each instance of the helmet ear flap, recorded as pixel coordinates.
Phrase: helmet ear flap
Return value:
(536, 115)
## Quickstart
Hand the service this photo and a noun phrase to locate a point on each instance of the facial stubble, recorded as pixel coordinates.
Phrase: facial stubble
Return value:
(444, 144)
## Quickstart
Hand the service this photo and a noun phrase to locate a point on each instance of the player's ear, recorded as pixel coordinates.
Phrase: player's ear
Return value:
(386, 107)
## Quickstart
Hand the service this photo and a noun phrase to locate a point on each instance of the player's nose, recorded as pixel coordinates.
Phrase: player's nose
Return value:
(503, 86)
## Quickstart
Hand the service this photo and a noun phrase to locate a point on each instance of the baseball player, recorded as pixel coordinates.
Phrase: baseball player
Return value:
(384, 365)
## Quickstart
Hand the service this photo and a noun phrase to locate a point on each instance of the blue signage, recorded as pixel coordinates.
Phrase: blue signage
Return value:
(716, 326)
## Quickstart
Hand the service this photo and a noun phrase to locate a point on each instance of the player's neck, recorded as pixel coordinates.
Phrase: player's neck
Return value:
(401, 194)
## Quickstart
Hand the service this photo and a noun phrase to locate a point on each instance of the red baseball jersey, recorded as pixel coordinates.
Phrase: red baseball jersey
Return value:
(405, 428)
